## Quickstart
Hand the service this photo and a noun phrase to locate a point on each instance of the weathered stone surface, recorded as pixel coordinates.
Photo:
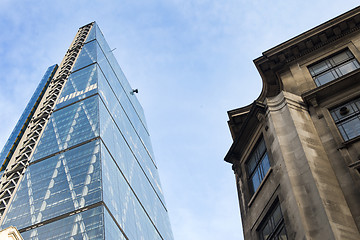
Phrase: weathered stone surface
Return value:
(314, 173)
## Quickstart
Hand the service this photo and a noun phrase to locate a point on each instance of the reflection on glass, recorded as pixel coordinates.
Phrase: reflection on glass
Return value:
(258, 165)
(69, 126)
(325, 78)
(273, 226)
(86, 56)
(333, 67)
(85, 225)
(282, 234)
(79, 85)
(256, 180)
(94, 150)
(57, 185)
(128, 212)
(347, 119)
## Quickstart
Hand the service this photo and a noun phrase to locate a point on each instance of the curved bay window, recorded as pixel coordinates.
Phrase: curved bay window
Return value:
(257, 165)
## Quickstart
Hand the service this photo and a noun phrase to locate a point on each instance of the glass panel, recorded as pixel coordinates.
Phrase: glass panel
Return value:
(267, 230)
(258, 165)
(112, 231)
(110, 132)
(277, 216)
(348, 67)
(101, 40)
(136, 175)
(119, 75)
(357, 103)
(343, 133)
(353, 108)
(79, 85)
(335, 115)
(57, 185)
(265, 164)
(252, 165)
(318, 68)
(333, 67)
(261, 147)
(273, 225)
(85, 225)
(342, 112)
(347, 119)
(127, 88)
(125, 101)
(341, 57)
(69, 126)
(92, 33)
(352, 127)
(282, 234)
(256, 180)
(86, 56)
(128, 213)
(325, 78)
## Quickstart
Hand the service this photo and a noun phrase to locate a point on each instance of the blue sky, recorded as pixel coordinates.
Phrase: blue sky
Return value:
(190, 60)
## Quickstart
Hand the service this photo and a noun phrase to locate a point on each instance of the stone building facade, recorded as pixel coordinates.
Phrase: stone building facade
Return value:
(296, 149)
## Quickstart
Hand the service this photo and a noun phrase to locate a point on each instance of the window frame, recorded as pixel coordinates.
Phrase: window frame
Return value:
(335, 68)
(259, 167)
(276, 226)
(341, 114)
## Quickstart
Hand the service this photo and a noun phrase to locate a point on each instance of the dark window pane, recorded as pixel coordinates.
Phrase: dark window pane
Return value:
(256, 180)
(352, 127)
(261, 148)
(267, 230)
(277, 216)
(318, 68)
(265, 164)
(347, 119)
(251, 165)
(347, 67)
(273, 226)
(325, 78)
(342, 57)
(257, 165)
(333, 67)
(282, 234)
(357, 104)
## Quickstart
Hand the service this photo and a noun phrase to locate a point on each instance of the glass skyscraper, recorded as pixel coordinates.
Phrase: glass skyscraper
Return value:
(79, 163)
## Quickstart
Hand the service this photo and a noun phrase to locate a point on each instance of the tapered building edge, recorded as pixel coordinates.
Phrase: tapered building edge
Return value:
(146, 217)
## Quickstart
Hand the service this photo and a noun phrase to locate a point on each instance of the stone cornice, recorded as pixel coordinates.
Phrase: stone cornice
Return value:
(319, 35)
(252, 120)
(278, 58)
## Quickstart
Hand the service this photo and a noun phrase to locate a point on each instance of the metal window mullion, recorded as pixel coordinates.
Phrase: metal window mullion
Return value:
(331, 65)
(350, 58)
(271, 221)
(253, 172)
(354, 115)
(261, 172)
(45, 111)
(279, 227)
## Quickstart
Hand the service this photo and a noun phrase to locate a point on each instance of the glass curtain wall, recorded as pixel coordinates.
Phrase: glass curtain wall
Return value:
(93, 173)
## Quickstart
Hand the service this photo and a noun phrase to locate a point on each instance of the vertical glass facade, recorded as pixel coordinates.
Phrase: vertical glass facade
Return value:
(93, 173)
(25, 117)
